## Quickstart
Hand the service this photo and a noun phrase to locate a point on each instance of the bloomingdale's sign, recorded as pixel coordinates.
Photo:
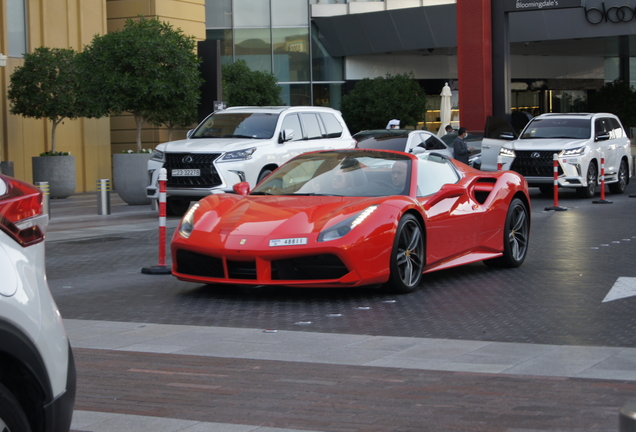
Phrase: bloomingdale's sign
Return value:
(611, 14)
(528, 5)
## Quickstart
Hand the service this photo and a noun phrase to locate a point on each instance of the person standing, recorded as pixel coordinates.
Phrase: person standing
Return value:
(393, 124)
(448, 129)
(461, 150)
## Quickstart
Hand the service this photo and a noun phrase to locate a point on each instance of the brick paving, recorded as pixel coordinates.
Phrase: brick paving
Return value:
(339, 398)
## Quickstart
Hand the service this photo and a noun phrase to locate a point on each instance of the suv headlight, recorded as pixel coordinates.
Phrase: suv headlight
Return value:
(238, 155)
(157, 155)
(574, 152)
(506, 152)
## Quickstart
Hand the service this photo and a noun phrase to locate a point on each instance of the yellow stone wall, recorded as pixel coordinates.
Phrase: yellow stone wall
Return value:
(72, 24)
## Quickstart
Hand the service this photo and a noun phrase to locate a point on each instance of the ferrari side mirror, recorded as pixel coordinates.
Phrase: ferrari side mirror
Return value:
(446, 191)
(242, 188)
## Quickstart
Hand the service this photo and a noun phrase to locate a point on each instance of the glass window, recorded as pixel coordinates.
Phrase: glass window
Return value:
(225, 36)
(291, 121)
(312, 127)
(218, 13)
(255, 47)
(295, 94)
(291, 54)
(329, 95)
(251, 13)
(324, 67)
(237, 125)
(332, 125)
(16, 28)
(433, 172)
(290, 13)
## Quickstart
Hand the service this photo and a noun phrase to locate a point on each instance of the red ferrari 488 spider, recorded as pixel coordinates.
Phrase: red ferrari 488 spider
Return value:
(355, 217)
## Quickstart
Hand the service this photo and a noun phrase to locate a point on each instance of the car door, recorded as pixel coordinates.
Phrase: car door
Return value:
(498, 133)
(605, 142)
(451, 226)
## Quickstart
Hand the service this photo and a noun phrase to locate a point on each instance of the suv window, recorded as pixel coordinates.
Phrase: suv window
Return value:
(237, 125)
(554, 127)
(310, 121)
(618, 130)
(291, 121)
(333, 126)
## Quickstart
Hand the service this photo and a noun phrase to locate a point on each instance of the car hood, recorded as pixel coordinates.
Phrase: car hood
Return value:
(207, 145)
(274, 217)
(553, 144)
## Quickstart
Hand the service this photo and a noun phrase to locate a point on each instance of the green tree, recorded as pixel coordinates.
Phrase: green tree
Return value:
(245, 87)
(616, 97)
(48, 85)
(373, 102)
(148, 69)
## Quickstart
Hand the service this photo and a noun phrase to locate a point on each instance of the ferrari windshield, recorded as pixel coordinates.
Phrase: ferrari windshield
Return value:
(237, 125)
(341, 173)
(557, 128)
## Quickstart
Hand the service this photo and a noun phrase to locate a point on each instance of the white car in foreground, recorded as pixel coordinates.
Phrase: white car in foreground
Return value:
(37, 371)
(578, 139)
(241, 144)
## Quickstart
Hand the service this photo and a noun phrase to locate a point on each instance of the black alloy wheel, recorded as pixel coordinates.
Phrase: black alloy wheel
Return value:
(623, 175)
(407, 256)
(592, 181)
(516, 236)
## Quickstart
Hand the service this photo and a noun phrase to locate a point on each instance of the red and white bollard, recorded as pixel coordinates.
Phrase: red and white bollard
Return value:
(161, 267)
(555, 169)
(499, 163)
(602, 200)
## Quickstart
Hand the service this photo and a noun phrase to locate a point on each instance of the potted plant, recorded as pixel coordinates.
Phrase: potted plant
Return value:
(151, 71)
(48, 86)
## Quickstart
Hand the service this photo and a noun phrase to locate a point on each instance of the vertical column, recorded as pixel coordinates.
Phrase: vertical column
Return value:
(474, 62)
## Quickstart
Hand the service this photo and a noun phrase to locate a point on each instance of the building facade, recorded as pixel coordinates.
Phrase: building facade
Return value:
(319, 49)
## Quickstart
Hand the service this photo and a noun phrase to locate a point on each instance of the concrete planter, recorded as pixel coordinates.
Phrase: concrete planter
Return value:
(130, 177)
(59, 171)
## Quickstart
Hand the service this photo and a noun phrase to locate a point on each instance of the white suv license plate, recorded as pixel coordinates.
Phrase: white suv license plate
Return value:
(186, 173)
(288, 242)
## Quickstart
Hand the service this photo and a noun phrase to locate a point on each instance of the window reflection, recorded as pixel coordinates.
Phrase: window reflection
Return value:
(291, 54)
(255, 47)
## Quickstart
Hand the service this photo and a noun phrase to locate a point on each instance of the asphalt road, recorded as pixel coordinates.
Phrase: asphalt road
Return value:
(555, 297)
(554, 301)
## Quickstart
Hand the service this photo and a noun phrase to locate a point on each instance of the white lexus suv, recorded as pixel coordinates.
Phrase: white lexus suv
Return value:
(579, 140)
(241, 144)
(37, 371)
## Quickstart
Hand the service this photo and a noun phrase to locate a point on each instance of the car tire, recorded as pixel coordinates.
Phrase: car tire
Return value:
(12, 417)
(516, 235)
(547, 190)
(623, 174)
(177, 207)
(407, 256)
(592, 181)
(263, 174)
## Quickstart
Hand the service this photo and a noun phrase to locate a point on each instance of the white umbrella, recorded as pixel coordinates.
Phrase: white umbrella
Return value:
(445, 110)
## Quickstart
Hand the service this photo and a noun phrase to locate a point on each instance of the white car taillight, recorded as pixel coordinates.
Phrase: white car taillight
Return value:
(21, 211)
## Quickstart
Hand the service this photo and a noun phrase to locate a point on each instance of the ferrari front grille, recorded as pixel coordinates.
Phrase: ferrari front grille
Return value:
(196, 264)
(534, 163)
(316, 267)
(241, 269)
(204, 162)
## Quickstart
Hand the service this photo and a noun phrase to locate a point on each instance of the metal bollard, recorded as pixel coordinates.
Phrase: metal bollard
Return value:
(103, 197)
(46, 196)
(627, 418)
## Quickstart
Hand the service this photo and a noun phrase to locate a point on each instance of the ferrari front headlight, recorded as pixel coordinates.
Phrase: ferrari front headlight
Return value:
(344, 227)
(187, 223)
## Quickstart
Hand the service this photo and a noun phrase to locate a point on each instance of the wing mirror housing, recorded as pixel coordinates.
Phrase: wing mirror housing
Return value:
(418, 150)
(602, 136)
(190, 132)
(447, 191)
(242, 188)
(507, 136)
(286, 135)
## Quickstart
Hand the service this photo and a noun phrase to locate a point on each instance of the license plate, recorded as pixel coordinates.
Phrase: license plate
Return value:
(288, 242)
(186, 173)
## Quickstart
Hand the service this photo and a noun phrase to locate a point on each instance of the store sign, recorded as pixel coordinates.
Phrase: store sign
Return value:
(611, 14)
(528, 5)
